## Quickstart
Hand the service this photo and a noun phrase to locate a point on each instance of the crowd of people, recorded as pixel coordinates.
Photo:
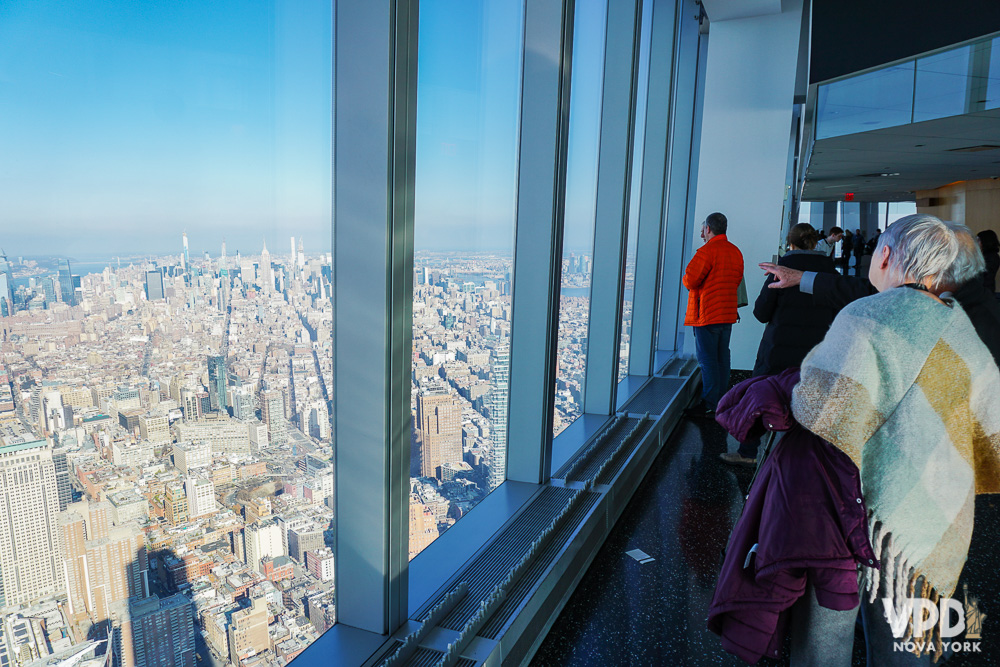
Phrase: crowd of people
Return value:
(881, 394)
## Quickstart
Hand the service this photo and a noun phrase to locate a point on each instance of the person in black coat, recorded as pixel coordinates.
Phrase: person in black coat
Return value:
(990, 245)
(795, 323)
(859, 250)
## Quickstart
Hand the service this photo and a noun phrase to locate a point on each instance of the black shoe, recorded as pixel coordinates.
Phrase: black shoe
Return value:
(699, 411)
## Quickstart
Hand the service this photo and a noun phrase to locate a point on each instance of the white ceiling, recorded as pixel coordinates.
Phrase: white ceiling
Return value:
(921, 153)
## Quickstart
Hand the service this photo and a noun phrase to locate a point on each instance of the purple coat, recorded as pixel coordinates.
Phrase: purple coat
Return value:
(803, 520)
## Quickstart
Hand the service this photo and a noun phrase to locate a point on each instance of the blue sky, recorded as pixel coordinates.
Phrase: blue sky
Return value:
(126, 123)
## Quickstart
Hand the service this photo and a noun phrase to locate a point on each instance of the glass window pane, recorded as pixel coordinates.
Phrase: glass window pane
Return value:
(581, 202)
(942, 85)
(633, 214)
(883, 98)
(992, 100)
(467, 117)
(166, 186)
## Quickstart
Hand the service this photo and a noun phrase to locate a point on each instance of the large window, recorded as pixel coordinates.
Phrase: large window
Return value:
(581, 200)
(166, 197)
(628, 296)
(467, 115)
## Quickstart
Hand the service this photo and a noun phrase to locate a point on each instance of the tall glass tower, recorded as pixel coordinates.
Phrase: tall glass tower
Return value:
(498, 415)
(217, 383)
(66, 283)
(6, 287)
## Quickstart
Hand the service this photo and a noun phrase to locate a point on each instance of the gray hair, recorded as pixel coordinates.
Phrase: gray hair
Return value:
(924, 246)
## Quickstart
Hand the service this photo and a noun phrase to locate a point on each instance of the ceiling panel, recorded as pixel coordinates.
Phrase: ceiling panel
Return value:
(922, 154)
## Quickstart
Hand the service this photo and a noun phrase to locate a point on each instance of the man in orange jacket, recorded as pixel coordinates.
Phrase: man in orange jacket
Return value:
(712, 278)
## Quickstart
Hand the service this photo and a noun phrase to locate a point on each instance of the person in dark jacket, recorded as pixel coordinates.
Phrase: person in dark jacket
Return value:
(990, 245)
(836, 291)
(795, 323)
(859, 250)
(846, 250)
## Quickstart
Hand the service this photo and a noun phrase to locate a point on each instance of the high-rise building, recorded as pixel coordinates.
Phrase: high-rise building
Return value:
(265, 275)
(248, 632)
(66, 283)
(6, 286)
(63, 485)
(498, 401)
(175, 505)
(243, 403)
(49, 287)
(200, 496)
(301, 256)
(155, 632)
(217, 381)
(185, 258)
(154, 286)
(30, 567)
(103, 564)
(439, 415)
(262, 539)
(272, 403)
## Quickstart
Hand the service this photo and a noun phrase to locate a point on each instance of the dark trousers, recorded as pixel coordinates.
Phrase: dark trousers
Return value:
(711, 344)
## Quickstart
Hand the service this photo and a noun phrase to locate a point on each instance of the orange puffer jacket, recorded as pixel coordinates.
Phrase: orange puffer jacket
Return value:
(712, 276)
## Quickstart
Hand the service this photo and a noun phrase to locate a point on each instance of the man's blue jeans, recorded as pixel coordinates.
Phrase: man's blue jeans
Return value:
(711, 343)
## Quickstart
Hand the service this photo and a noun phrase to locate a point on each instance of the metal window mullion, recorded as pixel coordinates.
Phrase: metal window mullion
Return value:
(614, 172)
(541, 195)
(680, 176)
(374, 138)
(653, 188)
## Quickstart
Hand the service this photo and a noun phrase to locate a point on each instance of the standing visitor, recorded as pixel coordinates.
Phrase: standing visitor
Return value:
(795, 323)
(712, 278)
(828, 245)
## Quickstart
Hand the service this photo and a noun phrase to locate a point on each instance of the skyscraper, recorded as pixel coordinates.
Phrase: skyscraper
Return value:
(498, 415)
(272, 404)
(439, 415)
(264, 273)
(217, 383)
(185, 258)
(30, 566)
(66, 283)
(6, 286)
(154, 285)
(155, 632)
(103, 564)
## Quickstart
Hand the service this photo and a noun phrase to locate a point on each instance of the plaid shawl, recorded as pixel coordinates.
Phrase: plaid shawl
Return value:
(904, 386)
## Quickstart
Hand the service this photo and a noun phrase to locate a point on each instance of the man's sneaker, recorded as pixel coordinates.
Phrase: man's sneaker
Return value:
(734, 459)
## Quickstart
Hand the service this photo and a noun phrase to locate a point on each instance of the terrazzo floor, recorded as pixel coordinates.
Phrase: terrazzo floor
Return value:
(627, 613)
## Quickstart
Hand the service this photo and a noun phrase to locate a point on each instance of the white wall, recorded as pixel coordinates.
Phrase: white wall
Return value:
(748, 96)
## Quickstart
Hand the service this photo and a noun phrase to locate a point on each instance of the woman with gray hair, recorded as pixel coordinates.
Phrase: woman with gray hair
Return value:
(903, 385)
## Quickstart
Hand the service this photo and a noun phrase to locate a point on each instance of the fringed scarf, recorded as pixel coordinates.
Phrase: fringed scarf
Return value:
(904, 386)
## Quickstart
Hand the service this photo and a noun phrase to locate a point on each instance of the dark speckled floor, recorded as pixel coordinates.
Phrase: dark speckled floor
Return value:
(625, 613)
